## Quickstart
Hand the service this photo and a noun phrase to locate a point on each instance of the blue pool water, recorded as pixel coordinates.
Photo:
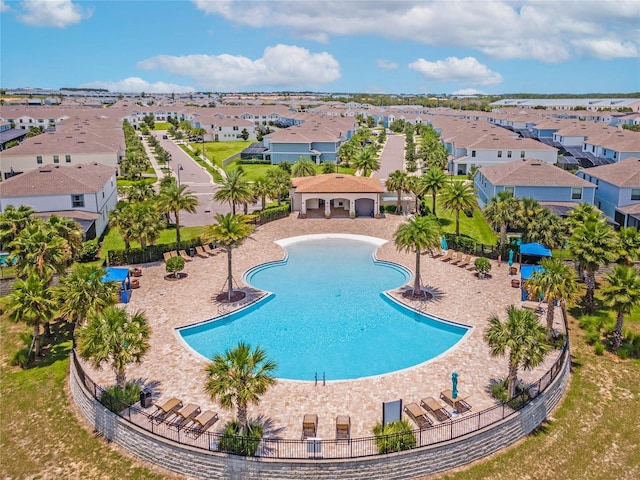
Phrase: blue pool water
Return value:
(327, 314)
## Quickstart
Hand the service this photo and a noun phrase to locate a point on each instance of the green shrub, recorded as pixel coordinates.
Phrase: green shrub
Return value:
(598, 348)
(174, 265)
(394, 436)
(20, 357)
(623, 352)
(483, 266)
(232, 442)
(117, 399)
(592, 336)
(88, 251)
(500, 391)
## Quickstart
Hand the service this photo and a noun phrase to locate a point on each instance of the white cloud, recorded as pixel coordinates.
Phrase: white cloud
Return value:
(606, 48)
(505, 29)
(468, 91)
(386, 64)
(281, 66)
(4, 7)
(466, 71)
(52, 13)
(137, 85)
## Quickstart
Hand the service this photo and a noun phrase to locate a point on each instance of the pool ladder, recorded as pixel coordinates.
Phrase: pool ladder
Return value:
(315, 380)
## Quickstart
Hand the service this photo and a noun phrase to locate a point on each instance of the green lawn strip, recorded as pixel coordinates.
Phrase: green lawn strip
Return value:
(216, 152)
(113, 239)
(196, 156)
(475, 227)
(40, 436)
(161, 125)
(127, 183)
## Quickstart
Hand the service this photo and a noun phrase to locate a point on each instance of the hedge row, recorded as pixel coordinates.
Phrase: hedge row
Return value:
(152, 253)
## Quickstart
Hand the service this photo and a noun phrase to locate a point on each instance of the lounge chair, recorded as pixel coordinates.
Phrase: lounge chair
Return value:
(200, 252)
(186, 414)
(457, 258)
(435, 408)
(309, 426)
(459, 404)
(168, 255)
(169, 407)
(185, 255)
(438, 253)
(466, 260)
(343, 427)
(418, 415)
(202, 422)
(447, 256)
(209, 250)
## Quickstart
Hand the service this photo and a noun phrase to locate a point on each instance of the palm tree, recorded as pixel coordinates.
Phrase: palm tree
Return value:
(546, 228)
(240, 376)
(434, 180)
(501, 212)
(233, 189)
(593, 244)
(31, 302)
(148, 222)
(418, 235)
(629, 245)
(82, 292)
(12, 221)
(621, 294)
(280, 181)
(416, 187)
(122, 217)
(303, 168)
(581, 214)
(229, 231)
(521, 337)
(397, 182)
(366, 161)
(347, 152)
(527, 211)
(262, 189)
(68, 229)
(174, 198)
(556, 282)
(458, 196)
(41, 250)
(116, 337)
(139, 192)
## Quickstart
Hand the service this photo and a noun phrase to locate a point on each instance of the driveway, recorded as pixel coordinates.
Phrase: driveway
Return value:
(391, 157)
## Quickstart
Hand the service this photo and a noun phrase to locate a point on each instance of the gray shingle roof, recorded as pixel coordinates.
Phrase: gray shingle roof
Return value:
(531, 172)
(625, 173)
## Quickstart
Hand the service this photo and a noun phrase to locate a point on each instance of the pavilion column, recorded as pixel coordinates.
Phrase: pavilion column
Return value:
(352, 208)
(327, 208)
(303, 208)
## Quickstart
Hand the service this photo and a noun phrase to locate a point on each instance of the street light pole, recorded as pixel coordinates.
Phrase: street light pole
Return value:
(179, 170)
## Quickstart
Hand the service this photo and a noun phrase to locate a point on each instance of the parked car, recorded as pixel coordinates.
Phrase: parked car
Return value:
(164, 137)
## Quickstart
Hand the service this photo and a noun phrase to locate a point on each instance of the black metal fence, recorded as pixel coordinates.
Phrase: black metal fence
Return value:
(323, 448)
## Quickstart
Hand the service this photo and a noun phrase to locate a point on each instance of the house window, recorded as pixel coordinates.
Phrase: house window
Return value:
(235, 128)
(67, 158)
(510, 189)
(56, 159)
(521, 153)
(508, 153)
(576, 193)
(635, 194)
(77, 201)
(499, 153)
(39, 159)
(473, 153)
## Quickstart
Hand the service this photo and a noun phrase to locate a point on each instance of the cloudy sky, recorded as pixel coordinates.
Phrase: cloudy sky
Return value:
(446, 46)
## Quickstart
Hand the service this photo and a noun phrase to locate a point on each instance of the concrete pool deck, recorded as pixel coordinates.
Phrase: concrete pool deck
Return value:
(173, 370)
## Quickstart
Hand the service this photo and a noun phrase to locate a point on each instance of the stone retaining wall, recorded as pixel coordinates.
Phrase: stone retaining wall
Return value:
(402, 465)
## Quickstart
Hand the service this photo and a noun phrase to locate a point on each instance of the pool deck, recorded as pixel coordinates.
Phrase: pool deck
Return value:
(172, 369)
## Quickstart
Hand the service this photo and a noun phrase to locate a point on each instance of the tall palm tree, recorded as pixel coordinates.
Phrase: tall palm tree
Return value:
(240, 376)
(397, 182)
(418, 235)
(366, 161)
(556, 282)
(501, 212)
(139, 192)
(174, 199)
(521, 337)
(41, 250)
(458, 196)
(68, 229)
(280, 182)
(122, 217)
(229, 231)
(12, 221)
(347, 152)
(303, 168)
(262, 189)
(593, 244)
(416, 187)
(116, 337)
(433, 181)
(546, 228)
(527, 211)
(234, 189)
(621, 294)
(629, 246)
(31, 302)
(82, 292)
(148, 222)
(581, 214)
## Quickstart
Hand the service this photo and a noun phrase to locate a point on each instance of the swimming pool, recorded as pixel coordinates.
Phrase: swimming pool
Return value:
(327, 314)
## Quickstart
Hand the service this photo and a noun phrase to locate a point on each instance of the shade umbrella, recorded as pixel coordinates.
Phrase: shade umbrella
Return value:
(443, 243)
(510, 262)
(454, 381)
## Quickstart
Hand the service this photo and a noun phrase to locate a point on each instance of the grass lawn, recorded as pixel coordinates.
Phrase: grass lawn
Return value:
(475, 227)
(219, 151)
(127, 183)
(113, 239)
(593, 435)
(161, 125)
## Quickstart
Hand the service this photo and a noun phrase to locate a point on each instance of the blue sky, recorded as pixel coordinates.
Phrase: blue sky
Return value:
(446, 46)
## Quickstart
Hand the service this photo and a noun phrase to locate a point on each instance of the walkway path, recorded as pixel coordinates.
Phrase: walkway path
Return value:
(174, 370)
(391, 157)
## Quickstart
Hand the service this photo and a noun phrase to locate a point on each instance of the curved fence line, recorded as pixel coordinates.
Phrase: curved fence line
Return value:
(293, 449)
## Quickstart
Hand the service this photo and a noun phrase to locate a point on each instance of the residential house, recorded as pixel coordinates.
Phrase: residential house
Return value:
(85, 193)
(618, 190)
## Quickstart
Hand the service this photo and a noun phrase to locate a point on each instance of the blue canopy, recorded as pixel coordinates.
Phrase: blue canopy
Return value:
(115, 274)
(527, 270)
(535, 249)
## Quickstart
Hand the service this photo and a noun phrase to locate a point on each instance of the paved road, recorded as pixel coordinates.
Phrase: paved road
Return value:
(391, 157)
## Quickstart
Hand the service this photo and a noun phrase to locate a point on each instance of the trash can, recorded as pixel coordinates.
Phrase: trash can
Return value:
(145, 398)
(192, 252)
